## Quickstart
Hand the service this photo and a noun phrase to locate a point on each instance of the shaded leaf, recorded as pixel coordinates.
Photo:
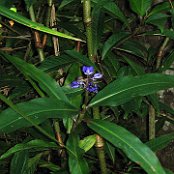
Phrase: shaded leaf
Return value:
(77, 164)
(140, 7)
(160, 142)
(31, 145)
(24, 21)
(19, 162)
(49, 85)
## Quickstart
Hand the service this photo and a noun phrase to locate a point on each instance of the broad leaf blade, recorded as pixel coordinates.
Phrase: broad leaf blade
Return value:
(24, 21)
(129, 143)
(124, 89)
(37, 110)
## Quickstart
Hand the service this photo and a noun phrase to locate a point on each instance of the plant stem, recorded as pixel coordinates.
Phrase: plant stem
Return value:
(33, 18)
(88, 26)
(101, 154)
(100, 145)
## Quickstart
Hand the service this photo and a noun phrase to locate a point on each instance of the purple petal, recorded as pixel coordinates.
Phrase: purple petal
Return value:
(75, 84)
(98, 76)
(88, 70)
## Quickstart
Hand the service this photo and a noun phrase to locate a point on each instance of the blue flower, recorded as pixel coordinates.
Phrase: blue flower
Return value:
(89, 82)
(75, 84)
(97, 76)
(92, 87)
(88, 70)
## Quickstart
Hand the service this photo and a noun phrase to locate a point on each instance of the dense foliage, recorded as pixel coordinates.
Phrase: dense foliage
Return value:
(73, 75)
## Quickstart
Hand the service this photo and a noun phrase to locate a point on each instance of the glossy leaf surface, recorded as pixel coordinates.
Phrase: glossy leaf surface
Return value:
(37, 110)
(129, 144)
(124, 89)
(24, 21)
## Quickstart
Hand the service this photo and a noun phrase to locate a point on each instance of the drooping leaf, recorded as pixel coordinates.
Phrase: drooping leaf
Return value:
(160, 142)
(19, 162)
(49, 85)
(36, 145)
(24, 21)
(37, 110)
(140, 7)
(77, 164)
(126, 88)
(129, 144)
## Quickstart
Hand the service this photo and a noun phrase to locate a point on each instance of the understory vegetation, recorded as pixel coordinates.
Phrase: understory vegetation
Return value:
(79, 86)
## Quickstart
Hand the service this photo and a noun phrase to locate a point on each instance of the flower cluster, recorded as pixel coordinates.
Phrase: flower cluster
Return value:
(88, 83)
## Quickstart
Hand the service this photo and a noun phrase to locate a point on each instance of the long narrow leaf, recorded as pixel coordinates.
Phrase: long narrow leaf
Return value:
(48, 84)
(124, 89)
(24, 21)
(36, 110)
(129, 143)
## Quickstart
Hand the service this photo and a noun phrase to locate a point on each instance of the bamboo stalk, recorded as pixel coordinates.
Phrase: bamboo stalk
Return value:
(96, 115)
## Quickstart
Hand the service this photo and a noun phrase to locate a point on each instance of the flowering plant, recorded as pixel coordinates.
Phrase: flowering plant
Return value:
(89, 82)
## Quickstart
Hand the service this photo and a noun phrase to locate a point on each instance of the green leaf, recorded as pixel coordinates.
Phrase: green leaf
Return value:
(49, 85)
(158, 20)
(24, 21)
(112, 40)
(124, 89)
(66, 2)
(32, 164)
(87, 143)
(37, 145)
(140, 7)
(168, 61)
(37, 110)
(112, 8)
(55, 62)
(77, 164)
(160, 142)
(136, 67)
(135, 48)
(161, 7)
(97, 18)
(19, 163)
(79, 57)
(129, 144)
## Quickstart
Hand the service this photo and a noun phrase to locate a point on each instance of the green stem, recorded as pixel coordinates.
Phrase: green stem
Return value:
(88, 26)
(33, 18)
(101, 157)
